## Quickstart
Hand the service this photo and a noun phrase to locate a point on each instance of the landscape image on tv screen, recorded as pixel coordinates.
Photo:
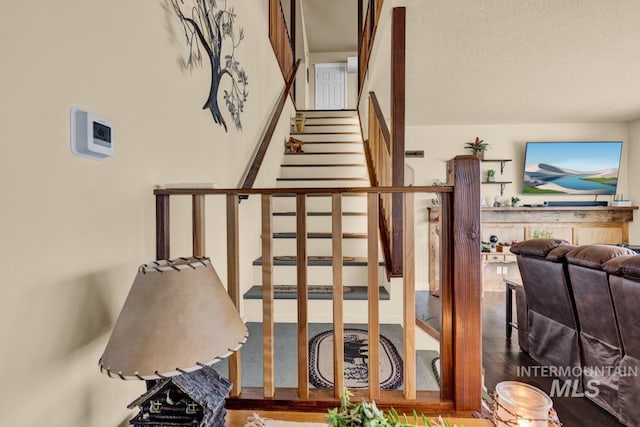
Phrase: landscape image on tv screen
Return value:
(572, 167)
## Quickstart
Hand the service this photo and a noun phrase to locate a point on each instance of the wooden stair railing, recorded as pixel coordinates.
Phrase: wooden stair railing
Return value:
(461, 293)
(279, 37)
(254, 166)
(378, 155)
(367, 25)
(385, 148)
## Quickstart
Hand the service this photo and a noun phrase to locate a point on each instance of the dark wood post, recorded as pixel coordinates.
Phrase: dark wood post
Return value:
(446, 297)
(360, 59)
(162, 226)
(464, 172)
(398, 62)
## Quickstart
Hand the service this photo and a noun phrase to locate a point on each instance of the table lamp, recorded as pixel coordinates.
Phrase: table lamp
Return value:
(177, 319)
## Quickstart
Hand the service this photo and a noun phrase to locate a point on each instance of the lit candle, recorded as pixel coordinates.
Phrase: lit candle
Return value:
(519, 404)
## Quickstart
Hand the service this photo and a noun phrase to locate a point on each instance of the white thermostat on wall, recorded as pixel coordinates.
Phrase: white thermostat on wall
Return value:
(91, 136)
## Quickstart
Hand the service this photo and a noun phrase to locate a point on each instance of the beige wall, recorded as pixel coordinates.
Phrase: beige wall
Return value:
(303, 97)
(633, 190)
(73, 231)
(333, 57)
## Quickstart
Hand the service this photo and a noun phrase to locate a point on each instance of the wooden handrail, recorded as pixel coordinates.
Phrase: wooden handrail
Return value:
(252, 172)
(168, 191)
(461, 291)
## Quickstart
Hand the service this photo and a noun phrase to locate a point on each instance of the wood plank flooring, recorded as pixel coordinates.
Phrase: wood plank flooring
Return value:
(502, 358)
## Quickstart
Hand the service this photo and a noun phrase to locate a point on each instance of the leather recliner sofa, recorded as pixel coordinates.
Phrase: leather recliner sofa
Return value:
(600, 345)
(552, 328)
(624, 281)
(583, 306)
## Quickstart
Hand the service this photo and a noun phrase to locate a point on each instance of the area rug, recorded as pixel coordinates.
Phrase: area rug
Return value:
(356, 360)
(286, 362)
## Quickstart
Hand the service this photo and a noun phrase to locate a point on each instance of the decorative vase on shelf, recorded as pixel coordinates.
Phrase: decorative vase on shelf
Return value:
(479, 154)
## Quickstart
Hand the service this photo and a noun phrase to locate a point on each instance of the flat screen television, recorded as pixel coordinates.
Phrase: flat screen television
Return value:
(576, 168)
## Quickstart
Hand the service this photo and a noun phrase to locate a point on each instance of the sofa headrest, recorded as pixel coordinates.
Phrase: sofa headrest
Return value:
(614, 265)
(626, 265)
(559, 254)
(538, 247)
(594, 256)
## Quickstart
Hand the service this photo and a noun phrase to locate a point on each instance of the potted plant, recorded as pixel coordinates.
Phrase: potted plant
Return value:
(491, 175)
(515, 201)
(298, 122)
(477, 147)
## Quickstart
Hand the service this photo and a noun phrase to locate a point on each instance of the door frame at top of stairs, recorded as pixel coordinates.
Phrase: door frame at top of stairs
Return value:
(343, 68)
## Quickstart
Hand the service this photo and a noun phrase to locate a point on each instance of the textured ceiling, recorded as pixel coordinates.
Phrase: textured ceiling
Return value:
(522, 61)
(332, 25)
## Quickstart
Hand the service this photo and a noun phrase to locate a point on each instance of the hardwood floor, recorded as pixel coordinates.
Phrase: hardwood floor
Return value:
(502, 358)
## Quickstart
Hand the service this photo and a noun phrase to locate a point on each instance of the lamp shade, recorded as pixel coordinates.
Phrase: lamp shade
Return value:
(177, 318)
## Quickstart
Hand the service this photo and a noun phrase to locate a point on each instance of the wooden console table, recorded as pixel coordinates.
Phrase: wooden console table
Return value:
(578, 225)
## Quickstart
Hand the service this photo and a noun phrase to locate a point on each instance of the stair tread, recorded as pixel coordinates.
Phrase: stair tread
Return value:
(316, 292)
(325, 133)
(322, 195)
(289, 260)
(323, 179)
(328, 142)
(315, 153)
(293, 213)
(317, 165)
(318, 235)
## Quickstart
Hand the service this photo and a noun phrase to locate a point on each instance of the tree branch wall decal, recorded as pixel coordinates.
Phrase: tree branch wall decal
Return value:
(212, 29)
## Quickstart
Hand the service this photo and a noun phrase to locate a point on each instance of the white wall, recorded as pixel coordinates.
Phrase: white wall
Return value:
(73, 231)
(333, 57)
(442, 143)
(303, 95)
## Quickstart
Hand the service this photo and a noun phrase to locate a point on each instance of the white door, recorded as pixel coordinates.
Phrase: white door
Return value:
(331, 86)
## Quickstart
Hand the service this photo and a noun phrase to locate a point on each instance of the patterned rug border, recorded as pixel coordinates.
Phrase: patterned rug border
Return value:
(319, 381)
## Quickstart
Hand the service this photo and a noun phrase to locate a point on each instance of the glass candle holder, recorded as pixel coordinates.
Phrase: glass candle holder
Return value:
(519, 404)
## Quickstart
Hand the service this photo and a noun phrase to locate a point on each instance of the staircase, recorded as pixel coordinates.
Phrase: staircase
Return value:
(333, 156)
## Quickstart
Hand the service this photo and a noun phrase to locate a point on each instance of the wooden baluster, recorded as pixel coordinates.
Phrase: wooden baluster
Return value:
(268, 367)
(338, 318)
(162, 226)
(303, 321)
(409, 299)
(233, 281)
(198, 223)
(373, 296)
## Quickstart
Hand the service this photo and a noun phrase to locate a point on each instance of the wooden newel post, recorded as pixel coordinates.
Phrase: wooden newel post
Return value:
(466, 290)
(398, 83)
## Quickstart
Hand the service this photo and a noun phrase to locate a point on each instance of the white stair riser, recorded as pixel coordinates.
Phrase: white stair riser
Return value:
(319, 159)
(322, 184)
(332, 147)
(321, 224)
(320, 247)
(324, 172)
(321, 311)
(344, 113)
(321, 204)
(326, 137)
(329, 128)
(353, 121)
(318, 275)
